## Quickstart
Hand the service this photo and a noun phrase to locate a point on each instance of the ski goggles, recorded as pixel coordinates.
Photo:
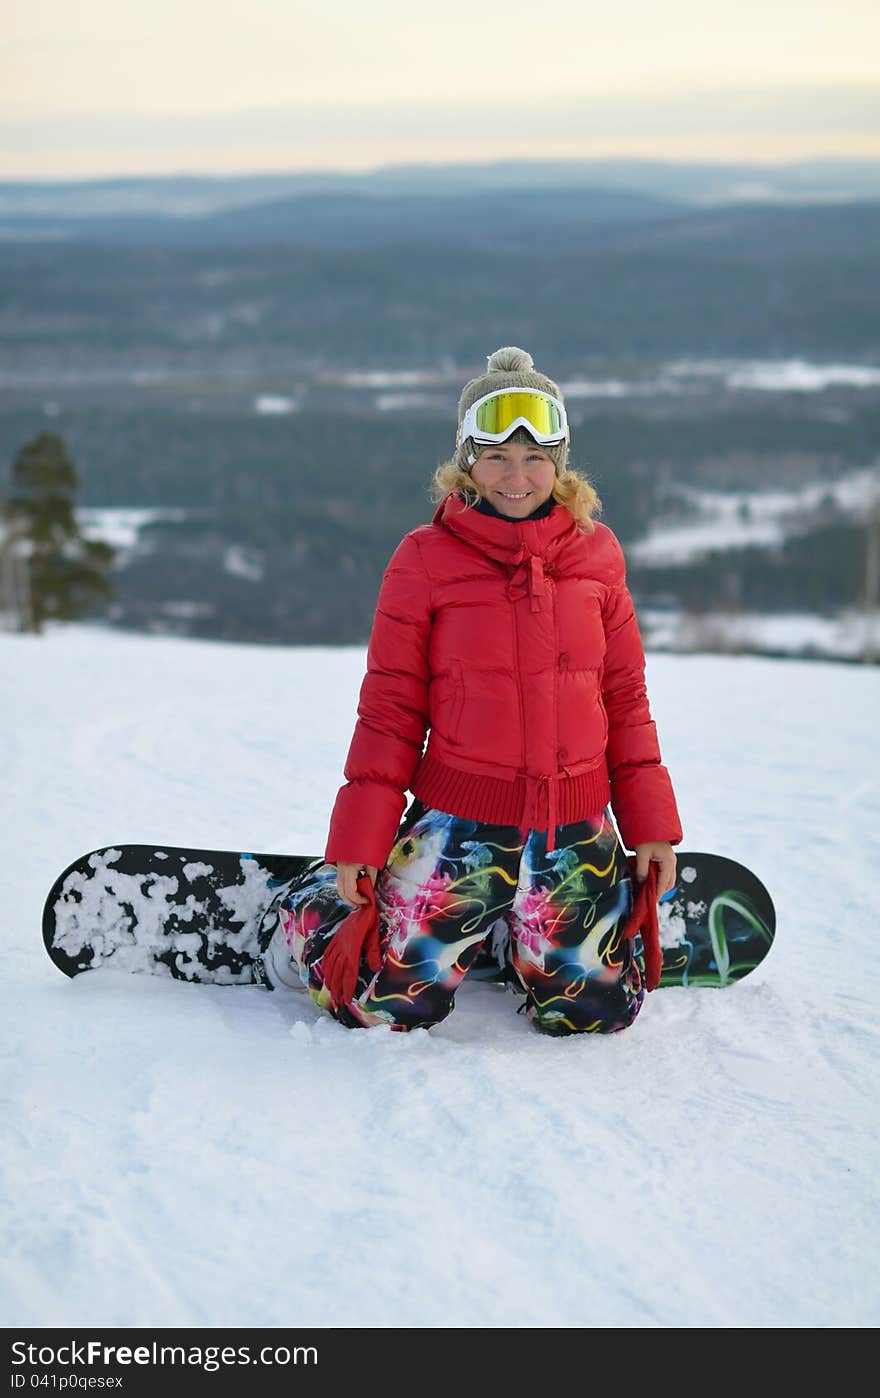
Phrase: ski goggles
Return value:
(493, 418)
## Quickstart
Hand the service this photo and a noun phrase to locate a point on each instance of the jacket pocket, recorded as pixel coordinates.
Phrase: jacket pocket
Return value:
(456, 709)
(603, 713)
(447, 701)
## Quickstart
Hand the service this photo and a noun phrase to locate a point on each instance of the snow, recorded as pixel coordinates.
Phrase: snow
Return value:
(122, 527)
(778, 375)
(183, 1155)
(385, 378)
(851, 634)
(403, 402)
(243, 563)
(732, 519)
(98, 902)
(733, 375)
(275, 404)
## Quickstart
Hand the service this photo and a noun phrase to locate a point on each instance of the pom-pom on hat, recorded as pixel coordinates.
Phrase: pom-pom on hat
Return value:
(509, 367)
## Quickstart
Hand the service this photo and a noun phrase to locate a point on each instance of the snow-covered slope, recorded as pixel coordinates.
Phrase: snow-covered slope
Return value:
(185, 1155)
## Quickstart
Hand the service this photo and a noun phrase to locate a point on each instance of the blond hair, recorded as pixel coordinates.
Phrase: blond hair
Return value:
(569, 489)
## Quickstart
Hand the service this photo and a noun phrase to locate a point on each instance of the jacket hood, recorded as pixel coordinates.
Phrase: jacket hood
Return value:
(508, 542)
(528, 548)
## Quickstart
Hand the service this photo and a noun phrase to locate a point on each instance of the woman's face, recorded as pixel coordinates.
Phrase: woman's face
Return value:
(515, 477)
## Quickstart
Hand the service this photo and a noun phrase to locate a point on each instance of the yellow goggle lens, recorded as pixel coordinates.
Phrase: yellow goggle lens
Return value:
(498, 413)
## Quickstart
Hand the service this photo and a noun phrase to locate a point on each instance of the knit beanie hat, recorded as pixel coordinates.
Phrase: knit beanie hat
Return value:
(509, 367)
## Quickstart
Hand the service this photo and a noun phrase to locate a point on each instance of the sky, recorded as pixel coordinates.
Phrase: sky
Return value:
(92, 88)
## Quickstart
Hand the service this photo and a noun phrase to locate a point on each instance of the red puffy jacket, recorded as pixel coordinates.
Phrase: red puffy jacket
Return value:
(516, 644)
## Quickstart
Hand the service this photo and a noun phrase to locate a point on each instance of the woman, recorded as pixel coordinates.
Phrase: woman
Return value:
(505, 631)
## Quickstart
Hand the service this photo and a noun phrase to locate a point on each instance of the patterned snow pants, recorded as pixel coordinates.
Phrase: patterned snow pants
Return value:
(451, 886)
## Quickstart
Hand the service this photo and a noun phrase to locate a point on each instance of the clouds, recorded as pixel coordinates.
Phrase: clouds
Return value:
(90, 87)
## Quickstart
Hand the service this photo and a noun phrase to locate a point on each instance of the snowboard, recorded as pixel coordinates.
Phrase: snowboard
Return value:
(209, 915)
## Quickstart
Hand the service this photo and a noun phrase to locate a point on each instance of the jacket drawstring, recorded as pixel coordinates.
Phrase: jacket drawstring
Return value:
(537, 584)
(537, 590)
(551, 812)
(537, 573)
(533, 810)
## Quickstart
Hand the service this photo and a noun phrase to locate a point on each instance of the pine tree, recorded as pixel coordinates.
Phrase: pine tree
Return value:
(51, 570)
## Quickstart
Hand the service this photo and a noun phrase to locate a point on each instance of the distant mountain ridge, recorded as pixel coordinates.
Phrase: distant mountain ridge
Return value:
(672, 182)
(558, 220)
(361, 218)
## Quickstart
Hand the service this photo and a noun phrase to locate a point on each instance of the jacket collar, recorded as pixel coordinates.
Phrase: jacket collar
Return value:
(507, 542)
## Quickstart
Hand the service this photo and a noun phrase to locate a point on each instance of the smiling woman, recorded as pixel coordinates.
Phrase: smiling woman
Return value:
(505, 630)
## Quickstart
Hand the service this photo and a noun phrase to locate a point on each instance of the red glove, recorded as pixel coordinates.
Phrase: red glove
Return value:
(643, 918)
(357, 935)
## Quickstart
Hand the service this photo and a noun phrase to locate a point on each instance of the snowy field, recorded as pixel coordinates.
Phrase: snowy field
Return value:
(212, 1156)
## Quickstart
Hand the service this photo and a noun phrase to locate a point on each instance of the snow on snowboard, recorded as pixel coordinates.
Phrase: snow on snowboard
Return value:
(208, 915)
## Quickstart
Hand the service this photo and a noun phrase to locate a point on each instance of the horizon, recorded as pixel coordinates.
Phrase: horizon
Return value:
(720, 163)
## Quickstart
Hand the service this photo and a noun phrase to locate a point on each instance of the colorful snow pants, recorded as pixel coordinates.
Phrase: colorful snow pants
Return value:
(451, 886)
